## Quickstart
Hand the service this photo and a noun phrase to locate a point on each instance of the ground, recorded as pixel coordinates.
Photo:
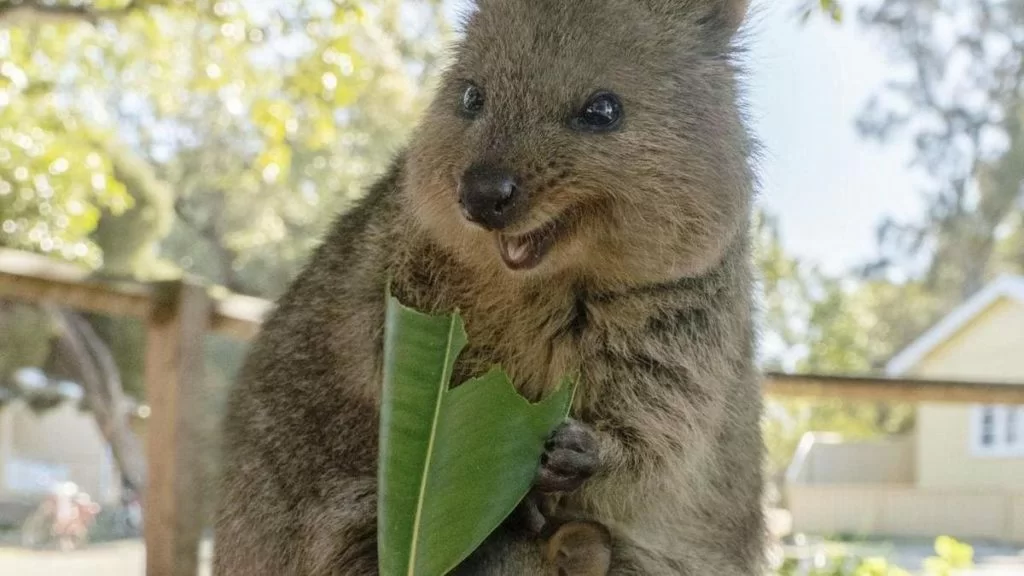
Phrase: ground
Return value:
(126, 558)
(992, 559)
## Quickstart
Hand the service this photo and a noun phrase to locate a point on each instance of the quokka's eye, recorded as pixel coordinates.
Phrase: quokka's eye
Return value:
(602, 113)
(472, 100)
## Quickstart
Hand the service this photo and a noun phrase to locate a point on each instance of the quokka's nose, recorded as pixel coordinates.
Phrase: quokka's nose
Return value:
(490, 196)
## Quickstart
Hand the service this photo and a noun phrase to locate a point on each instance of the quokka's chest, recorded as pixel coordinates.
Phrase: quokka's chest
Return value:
(538, 351)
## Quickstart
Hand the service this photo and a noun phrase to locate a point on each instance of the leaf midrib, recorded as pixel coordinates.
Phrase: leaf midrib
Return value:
(417, 519)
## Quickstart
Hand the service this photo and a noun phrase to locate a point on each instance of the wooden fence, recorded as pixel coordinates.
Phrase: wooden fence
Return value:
(179, 313)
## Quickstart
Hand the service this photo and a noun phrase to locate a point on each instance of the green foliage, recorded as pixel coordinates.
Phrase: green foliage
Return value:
(215, 136)
(831, 9)
(24, 338)
(480, 435)
(54, 176)
(820, 324)
(128, 240)
(262, 120)
(952, 556)
(878, 567)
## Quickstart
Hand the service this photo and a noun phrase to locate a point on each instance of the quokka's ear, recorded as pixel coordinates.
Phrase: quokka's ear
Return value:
(722, 15)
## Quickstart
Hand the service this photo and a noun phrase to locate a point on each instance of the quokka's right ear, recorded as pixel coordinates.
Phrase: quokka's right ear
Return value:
(722, 15)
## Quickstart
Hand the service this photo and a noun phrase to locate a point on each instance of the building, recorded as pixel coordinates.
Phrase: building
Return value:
(961, 472)
(39, 450)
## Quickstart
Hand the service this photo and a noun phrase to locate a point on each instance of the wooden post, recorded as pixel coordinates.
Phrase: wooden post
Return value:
(178, 319)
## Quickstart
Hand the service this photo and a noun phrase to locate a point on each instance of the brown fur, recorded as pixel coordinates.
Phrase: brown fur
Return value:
(576, 548)
(646, 296)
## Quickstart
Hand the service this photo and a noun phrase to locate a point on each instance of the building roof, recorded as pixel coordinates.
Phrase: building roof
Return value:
(1011, 287)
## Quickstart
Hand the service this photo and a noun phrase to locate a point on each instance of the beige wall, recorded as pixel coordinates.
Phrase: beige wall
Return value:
(1017, 515)
(62, 436)
(989, 348)
(829, 460)
(944, 459)
(887, 510)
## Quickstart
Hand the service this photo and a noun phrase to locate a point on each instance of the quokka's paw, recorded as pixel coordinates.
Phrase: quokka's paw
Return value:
(570, 458)
(580, 548)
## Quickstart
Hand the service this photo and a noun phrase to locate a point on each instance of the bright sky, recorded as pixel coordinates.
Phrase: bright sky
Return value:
(807, 84)
(828, 186)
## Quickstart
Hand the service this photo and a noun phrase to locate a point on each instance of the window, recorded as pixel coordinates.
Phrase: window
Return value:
(988, 426)
(998, 431)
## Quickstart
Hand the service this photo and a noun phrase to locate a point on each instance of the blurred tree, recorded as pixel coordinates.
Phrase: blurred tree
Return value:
(143, 138)
(818, 324)
(959, 93)
(129, 239)
(24, 341)
(831, 9)
(264, 120)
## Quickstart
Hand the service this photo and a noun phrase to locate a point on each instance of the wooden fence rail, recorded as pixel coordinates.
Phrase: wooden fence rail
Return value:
(179, 313)
(35, 279)
(879, 389)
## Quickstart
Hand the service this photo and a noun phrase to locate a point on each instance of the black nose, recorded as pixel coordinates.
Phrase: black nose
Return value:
(490, 196)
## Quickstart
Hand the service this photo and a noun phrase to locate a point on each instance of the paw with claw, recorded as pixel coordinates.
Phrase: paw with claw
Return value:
(570, 458)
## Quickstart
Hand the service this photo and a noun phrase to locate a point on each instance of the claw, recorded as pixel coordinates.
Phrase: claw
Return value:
(570, 457)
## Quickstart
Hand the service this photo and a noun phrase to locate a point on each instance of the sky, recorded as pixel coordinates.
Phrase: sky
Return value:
(828, 186)
(806, 84)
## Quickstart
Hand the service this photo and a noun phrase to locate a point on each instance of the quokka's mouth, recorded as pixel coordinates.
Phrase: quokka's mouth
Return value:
(527, 250)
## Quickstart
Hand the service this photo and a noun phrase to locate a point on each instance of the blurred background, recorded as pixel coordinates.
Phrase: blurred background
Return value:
(146, 141)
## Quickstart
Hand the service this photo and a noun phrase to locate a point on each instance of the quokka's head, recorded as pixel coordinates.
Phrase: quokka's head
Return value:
(595, 137)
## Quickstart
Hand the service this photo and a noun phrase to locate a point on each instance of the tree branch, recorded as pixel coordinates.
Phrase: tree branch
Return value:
(15, 12)
(210, 232)
(98, 374)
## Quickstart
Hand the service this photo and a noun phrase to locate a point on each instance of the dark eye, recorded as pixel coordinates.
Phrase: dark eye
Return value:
(472, 100)
(602, 112)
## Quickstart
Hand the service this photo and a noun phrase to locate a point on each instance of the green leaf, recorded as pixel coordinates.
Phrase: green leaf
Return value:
(273, 116)
(454, 462)
(275, 162)
(955, 553)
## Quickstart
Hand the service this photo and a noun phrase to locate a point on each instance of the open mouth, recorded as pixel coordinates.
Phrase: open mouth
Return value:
(527, 250)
